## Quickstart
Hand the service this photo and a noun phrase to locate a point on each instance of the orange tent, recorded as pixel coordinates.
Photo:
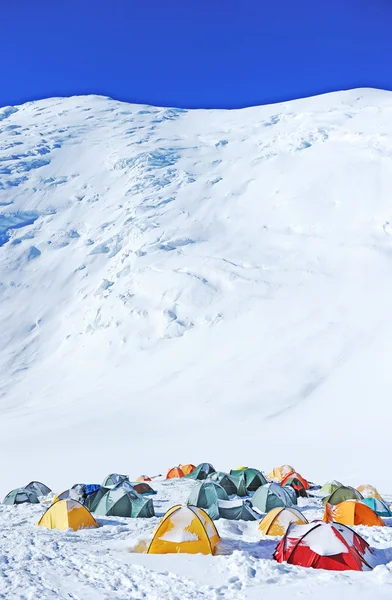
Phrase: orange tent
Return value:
(352, 512)
(175, 472)
(186, 469)
(143, 478)
(297, 476)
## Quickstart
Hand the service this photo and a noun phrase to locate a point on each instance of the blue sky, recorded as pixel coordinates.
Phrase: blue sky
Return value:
(193, 53)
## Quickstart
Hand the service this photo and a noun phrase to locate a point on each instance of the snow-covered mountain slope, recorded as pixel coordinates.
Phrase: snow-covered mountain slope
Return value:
(196, 285)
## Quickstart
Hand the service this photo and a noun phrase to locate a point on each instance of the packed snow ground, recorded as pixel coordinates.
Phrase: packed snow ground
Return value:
(192, 285)
(98, 564)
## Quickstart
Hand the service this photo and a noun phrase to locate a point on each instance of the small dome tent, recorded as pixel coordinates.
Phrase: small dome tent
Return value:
(380, 507)
(174, 472)
(201, 472)
(286, 479)
(67, 514)
(296, 485)
(143, 488)
(225, 480)
(330, 546)
(143, 478)
(187, 469)
(342, 493)
(352, 512)
(368, 491)
(205, 494)
(21, 496)
(237, 510)
(184, 529)
(272, 495)
(114, 479)
(277, 520)
(280, 472)
(119, 502)
(38, 488)
(253, 478)
(330, 487)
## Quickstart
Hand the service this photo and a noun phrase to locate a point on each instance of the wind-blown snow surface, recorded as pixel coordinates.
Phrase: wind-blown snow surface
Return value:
(196, 285)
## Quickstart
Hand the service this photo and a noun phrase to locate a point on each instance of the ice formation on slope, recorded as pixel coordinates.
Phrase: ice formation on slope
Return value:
(195, 285)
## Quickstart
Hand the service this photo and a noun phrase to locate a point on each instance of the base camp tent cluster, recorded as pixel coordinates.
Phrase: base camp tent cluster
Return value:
(244, 493)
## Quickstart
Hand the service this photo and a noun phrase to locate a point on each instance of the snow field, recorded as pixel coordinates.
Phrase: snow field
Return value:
(174, 281)
(99, 563)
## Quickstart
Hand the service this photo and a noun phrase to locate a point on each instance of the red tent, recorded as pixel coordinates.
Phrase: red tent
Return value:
(335, 547)
(297, 476)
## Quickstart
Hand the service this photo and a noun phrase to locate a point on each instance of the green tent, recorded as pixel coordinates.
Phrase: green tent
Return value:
(21, 496)
(205, 495)
(253, 478)
(201, 472)
(114, 479)
(272, 495)
(118, 502)
(225, 480)
(237, 510)
(240, 484)
(330, 487)
(342, 493)
(380, 507)
(38, 488)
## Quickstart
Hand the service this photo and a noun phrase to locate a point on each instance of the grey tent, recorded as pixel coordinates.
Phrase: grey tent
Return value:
(237, 510)
(118, 502)
(114, 479)
(272, 495)
(205, 495)
(21, 496)
(201, 472)
(38, 488)
(225, 480)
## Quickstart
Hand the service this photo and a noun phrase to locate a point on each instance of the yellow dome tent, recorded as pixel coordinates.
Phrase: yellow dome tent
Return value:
(368, 491)
(280, 472)
(184, 529)
(277, 520)
(67, 514)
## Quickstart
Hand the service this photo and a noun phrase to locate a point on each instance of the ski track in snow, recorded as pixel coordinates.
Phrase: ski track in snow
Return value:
(164, 272)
